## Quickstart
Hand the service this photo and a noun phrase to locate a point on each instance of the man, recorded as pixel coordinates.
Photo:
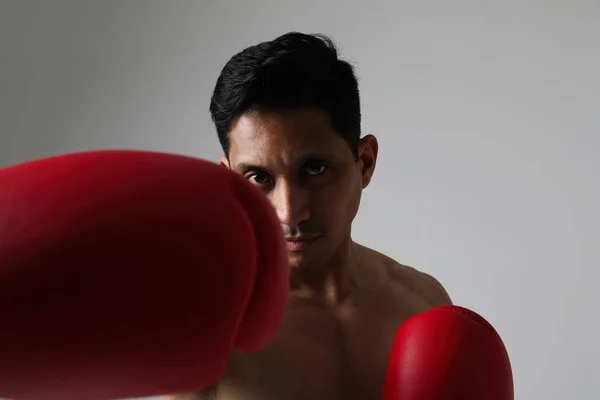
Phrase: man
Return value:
(287, 114)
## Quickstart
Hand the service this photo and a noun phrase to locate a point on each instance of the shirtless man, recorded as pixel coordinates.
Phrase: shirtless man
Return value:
(287, 113)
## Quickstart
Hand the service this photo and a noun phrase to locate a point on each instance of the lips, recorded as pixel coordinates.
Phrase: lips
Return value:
(300, 243)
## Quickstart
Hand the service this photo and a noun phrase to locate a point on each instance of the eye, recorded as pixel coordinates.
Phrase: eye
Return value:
(258, 178)
(315, 169)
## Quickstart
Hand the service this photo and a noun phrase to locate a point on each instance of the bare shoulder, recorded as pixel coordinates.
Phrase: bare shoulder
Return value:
(422, 283)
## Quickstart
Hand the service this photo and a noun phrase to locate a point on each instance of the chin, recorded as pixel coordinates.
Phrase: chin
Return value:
(296, 260)
(300, 260)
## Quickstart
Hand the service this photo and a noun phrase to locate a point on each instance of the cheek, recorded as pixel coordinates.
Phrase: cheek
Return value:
(340, 204)
(353, 202)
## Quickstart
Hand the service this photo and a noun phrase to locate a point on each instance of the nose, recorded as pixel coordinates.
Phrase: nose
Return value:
(291, 203)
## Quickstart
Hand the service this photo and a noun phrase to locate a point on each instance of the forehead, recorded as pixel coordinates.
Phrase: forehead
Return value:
(260, 136)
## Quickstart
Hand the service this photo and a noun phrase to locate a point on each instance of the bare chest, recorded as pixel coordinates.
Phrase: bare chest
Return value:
(325, 353)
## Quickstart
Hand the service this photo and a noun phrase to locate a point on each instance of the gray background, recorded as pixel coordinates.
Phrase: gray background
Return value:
(487, 112)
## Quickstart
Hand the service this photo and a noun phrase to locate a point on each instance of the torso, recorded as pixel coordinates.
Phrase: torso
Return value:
(334, 352)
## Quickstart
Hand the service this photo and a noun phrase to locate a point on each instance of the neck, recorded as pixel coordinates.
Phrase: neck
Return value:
(331, 282)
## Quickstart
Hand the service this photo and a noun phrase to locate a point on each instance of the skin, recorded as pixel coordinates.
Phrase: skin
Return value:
(346, 300)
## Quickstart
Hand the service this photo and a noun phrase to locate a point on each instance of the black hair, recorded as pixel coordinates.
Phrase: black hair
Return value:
(294, 70)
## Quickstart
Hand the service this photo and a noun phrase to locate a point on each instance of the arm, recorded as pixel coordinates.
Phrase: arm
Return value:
(422, 284)
(433, 290)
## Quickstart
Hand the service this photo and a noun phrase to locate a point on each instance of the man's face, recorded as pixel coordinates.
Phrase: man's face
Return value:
(309, 174)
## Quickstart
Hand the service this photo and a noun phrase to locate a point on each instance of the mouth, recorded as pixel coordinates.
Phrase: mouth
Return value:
(302, 243)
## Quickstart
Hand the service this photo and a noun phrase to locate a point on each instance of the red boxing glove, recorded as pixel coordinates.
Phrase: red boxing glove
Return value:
(130, 274)
(448, 353)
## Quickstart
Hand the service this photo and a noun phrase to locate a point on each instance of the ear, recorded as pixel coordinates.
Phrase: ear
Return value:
(224, 162)
(367, 157)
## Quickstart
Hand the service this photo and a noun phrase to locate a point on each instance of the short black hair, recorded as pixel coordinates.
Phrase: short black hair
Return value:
(293, 70)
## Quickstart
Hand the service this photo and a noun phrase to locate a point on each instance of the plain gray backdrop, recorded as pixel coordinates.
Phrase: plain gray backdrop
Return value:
(487, 113)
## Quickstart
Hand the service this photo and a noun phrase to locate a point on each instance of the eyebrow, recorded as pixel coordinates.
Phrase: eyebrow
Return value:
(312, 157)
(244, 167)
